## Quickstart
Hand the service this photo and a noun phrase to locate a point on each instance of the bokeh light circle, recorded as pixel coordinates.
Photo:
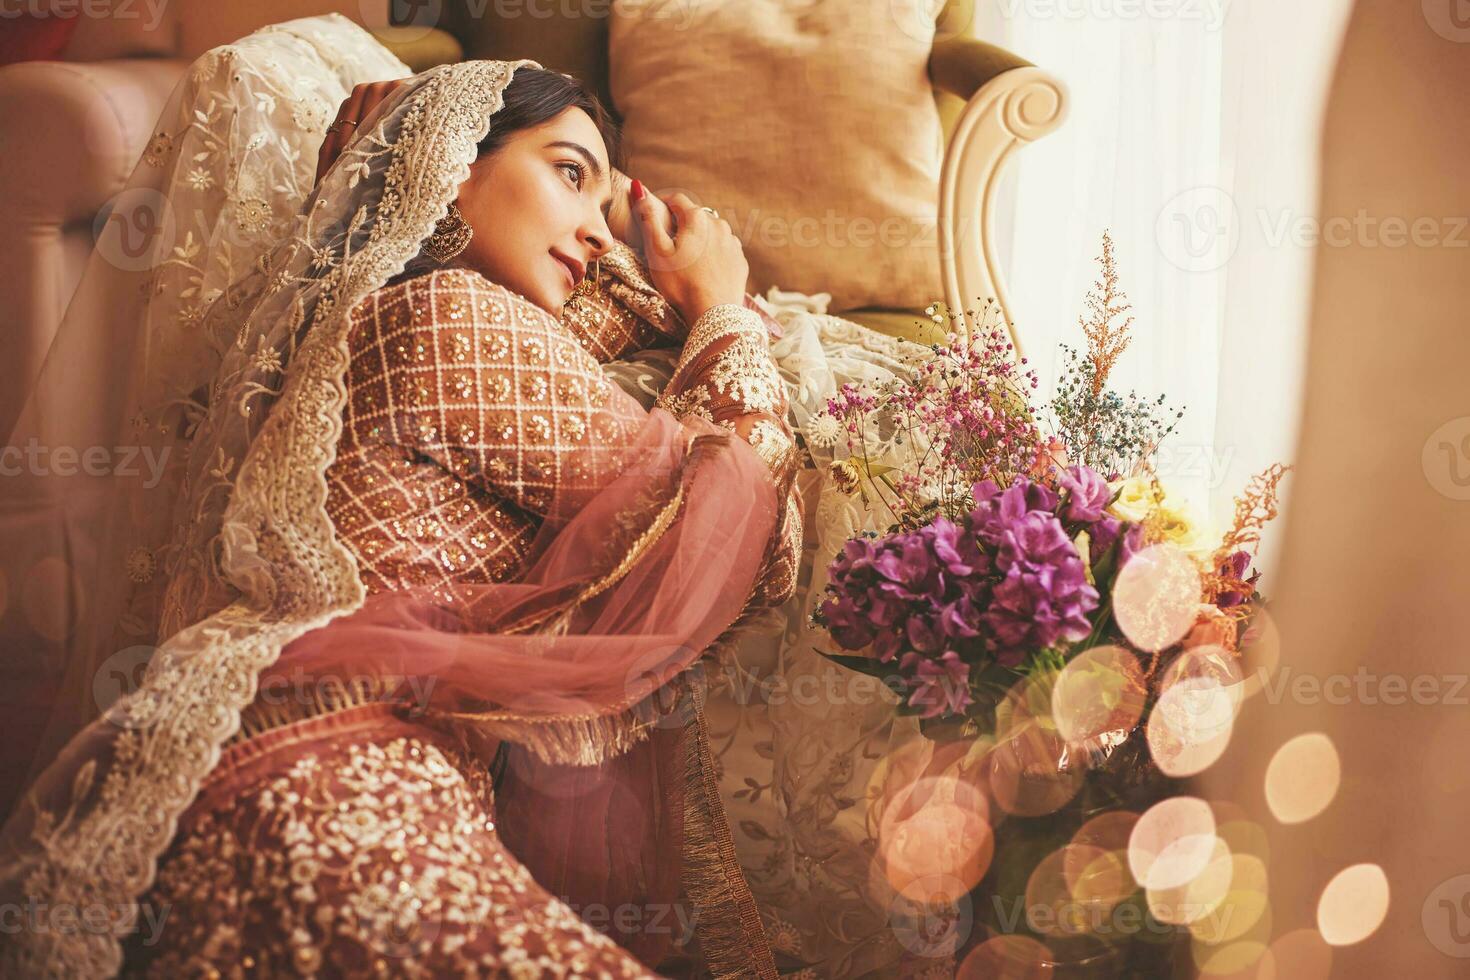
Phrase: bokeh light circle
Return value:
(1207, 661)
(1156, 597)
(1007, 957)
(1055, 907)
(1353, 905)
(1100, 690)
(1172, 843)
(1190, 726)
(1197, 898)
(936, 828)
(1302, 778)
(1299, 955)
(1096, 865)
(1246, 902)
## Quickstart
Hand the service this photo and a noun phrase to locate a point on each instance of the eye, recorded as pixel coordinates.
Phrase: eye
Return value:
(577, 170)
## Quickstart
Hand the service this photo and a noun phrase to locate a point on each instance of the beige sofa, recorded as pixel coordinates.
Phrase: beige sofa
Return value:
(71, 132)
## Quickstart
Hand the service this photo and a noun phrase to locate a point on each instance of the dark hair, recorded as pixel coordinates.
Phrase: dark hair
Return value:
(537, 95)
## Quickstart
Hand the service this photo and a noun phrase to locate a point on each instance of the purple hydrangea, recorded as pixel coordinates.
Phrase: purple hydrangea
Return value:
(913, 591)
(939, 685)
(1005, 578)
(1131, 544)
(1044, 597)
(1101, 534)
(1088, 494)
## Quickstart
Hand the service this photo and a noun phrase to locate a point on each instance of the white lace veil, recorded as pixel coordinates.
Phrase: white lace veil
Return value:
(220, 348)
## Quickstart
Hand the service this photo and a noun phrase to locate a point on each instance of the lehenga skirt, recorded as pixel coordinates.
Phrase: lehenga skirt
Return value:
(357, 843)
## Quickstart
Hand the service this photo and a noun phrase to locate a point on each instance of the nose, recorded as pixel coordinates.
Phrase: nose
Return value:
(596, 236)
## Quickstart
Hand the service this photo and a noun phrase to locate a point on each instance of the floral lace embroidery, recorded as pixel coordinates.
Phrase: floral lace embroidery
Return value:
(366, 857)
(730, 361)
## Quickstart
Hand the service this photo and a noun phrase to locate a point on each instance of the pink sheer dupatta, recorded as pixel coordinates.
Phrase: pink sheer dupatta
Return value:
(582, 666)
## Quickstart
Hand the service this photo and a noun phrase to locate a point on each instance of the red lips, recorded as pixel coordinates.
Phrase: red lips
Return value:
(576, 268)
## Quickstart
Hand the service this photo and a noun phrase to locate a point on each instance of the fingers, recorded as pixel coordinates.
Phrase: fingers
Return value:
(350, 109)
(687, 214)
(654, 231)
(352, 115)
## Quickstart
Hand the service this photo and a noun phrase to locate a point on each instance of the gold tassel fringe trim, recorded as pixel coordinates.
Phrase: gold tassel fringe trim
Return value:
(731, 937)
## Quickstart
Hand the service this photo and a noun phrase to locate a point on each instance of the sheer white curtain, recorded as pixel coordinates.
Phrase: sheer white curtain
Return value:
(1193, 140)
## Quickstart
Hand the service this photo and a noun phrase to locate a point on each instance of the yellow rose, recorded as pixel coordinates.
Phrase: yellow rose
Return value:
(1187, 530)
(1135, 499)
(1181, 523)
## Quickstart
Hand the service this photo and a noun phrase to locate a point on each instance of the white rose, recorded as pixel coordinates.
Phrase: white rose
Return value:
(1135, 499)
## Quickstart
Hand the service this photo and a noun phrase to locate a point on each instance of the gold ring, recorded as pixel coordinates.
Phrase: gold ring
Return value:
(711, 211)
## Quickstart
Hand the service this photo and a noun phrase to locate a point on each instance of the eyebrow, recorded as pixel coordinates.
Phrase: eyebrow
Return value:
(592, 163)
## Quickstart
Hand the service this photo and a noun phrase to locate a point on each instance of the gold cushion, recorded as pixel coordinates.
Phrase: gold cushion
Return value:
(912, 325)
(811, 128)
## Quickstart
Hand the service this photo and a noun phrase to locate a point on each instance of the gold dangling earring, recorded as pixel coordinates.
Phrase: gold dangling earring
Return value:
(591, 284)
(451, 236)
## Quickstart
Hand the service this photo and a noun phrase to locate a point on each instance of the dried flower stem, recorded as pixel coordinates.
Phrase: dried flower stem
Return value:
(1105, 342)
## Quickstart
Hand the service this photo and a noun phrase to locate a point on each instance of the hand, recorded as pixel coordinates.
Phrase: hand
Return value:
(701, 265)
(352, 116)
(620, 220)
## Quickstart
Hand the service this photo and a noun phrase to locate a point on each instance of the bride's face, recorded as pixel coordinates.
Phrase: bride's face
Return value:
(538, 206)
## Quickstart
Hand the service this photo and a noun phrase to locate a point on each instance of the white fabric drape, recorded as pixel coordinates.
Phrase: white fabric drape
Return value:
(1193, 140)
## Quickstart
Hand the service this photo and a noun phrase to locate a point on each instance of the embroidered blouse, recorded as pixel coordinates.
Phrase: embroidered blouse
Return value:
(469, 408)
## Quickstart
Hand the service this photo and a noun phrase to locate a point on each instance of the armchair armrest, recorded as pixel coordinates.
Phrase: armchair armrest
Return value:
(1010, 103)
(72, 134)
(961, 65)
(418, 48)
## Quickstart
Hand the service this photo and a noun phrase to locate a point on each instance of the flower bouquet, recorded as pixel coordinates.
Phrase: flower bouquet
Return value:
(1053, 612)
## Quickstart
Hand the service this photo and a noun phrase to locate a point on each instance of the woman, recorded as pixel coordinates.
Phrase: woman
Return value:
(416, 520)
